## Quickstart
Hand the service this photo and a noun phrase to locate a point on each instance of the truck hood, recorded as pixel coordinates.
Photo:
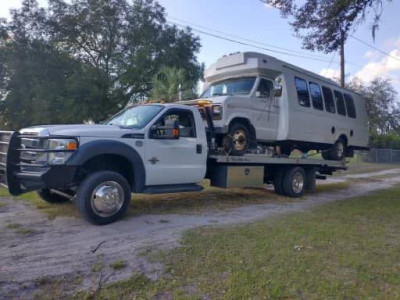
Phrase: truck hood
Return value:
(109, 131)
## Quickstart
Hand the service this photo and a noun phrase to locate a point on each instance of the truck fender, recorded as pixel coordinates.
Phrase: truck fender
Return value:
(102, 147)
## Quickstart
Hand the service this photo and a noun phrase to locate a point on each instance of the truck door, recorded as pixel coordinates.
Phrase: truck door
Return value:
(266, 111)
(176, 161)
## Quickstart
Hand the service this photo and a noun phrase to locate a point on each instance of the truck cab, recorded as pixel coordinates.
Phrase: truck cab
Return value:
(144, 148)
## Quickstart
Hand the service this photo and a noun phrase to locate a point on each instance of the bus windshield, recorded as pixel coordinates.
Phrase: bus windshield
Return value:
(230, 87)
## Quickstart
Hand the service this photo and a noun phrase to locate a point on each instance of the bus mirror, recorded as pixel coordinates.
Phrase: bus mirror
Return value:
(277, 90)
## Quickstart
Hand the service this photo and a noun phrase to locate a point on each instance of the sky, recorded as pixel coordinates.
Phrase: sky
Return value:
(253, 20)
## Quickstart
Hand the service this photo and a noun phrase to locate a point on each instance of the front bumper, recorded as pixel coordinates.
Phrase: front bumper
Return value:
(21, 177)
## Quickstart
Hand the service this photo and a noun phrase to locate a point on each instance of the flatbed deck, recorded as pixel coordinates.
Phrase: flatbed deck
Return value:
(265, 159)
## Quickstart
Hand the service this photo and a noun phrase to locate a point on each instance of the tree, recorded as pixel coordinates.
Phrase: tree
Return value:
(85, 59)
(382, 108)
(172, 84)
(326, 25)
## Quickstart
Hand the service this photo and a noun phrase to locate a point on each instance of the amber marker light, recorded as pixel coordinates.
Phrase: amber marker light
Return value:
(204, 102)
(72, 145)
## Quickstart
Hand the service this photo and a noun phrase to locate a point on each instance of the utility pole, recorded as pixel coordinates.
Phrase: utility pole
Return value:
(342, 58)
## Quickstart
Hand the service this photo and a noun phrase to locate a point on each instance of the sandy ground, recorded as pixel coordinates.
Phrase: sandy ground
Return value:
(70, 246)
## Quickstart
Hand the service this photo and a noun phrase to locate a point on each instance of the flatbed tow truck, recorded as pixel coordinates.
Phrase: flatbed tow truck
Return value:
(153, 149)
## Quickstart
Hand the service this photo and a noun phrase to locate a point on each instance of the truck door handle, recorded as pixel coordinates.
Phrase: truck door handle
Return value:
(199, 148)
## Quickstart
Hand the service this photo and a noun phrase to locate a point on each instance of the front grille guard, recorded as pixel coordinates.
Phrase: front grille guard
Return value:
(17, 175)
(5, 138)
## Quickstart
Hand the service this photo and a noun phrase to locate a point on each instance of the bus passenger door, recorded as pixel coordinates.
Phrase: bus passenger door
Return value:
(266, 112)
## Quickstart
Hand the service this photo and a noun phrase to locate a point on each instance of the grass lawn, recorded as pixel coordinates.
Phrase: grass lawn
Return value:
(342, 250)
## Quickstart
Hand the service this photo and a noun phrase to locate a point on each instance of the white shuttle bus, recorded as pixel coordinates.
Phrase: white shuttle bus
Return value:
(258, 99)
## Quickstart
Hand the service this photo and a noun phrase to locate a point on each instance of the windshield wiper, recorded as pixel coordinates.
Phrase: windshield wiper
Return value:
(222, 94)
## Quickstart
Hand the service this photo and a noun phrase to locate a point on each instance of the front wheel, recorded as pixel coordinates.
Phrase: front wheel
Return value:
(238, 139)
(103, 197)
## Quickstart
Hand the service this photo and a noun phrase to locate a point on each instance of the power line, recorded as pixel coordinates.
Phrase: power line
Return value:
(243, 38)
(246, 44)
(330, 63)
(373, 47)
(315, 58)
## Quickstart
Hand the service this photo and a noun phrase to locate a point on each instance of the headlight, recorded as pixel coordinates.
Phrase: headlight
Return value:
(217, 112)
(65, 148)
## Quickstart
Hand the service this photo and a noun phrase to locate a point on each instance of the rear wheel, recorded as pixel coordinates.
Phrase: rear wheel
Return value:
(103, 197)
(337, 152)
(278, 181)
(50, 197)
(294, 182)
(238, 139)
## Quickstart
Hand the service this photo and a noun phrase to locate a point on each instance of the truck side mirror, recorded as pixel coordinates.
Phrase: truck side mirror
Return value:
(168, 132)
(277, 90)
(262, 95)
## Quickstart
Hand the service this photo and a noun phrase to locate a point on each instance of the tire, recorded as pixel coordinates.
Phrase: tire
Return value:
(50, 197)
(286, 151)
(337, 152)
(294, 181)
(90, 200)
(278, 181)
(237, 141)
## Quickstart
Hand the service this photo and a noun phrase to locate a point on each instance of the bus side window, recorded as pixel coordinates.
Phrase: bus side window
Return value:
(351, 109)
(341, 109)
(316, 96)
(302, 92)
(329, 102)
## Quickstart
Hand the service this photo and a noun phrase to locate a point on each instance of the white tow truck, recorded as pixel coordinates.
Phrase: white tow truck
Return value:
(150, 148)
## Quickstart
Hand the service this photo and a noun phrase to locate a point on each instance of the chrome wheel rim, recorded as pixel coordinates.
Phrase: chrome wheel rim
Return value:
(297, 182)
(107, 198)
(340, 149)
(239, 140)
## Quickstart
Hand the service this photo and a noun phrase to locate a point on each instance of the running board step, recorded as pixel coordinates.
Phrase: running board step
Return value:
(165, 189)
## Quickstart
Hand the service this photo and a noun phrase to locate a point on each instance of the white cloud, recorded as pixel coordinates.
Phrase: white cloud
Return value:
(382, 66)
(268, 6)
(330, 73)
(386, 67)
(369, 54)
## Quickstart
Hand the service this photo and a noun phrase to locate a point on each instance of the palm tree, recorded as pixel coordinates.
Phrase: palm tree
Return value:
(171, 84)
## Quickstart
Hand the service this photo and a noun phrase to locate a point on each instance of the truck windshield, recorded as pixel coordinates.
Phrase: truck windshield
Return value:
(135, 117)
(237, 86)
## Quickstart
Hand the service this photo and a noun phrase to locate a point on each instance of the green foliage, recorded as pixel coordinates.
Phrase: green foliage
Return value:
(386, 141)
(383, 112)
(320, 23)
(84, 60)
(118, 264)
(170, 84)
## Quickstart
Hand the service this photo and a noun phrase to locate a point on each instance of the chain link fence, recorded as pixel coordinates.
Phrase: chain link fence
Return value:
(378, 156)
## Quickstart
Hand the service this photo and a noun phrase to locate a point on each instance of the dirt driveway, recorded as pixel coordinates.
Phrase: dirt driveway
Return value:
(33, 247)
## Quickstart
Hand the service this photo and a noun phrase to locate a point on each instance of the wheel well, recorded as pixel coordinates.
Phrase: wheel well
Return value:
(107, 162)
(247, 123)
(344, 138)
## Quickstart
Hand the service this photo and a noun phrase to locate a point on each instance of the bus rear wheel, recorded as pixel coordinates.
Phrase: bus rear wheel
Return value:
(337, 152)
